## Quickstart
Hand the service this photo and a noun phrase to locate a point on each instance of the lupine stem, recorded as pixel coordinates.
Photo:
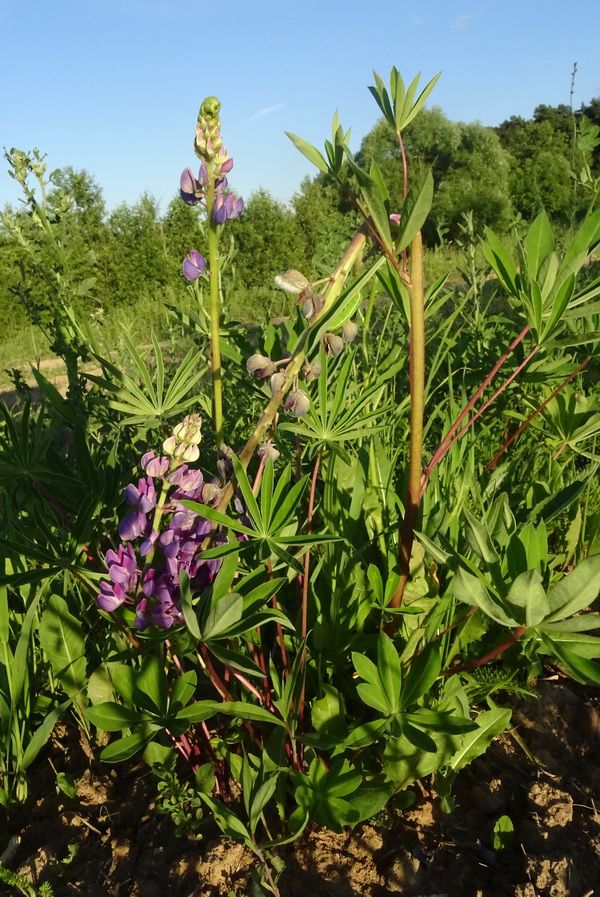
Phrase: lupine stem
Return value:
(336, 283)
(417, 405)
(215, 345)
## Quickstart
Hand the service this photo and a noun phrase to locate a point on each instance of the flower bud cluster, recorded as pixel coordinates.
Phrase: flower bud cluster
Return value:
(160, 537)
(215, 164)
(184, 442)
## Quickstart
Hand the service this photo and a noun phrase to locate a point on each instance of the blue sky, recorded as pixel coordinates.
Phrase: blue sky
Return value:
(114, 86)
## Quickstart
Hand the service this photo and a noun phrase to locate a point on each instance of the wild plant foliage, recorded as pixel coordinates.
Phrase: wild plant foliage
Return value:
(279, 567)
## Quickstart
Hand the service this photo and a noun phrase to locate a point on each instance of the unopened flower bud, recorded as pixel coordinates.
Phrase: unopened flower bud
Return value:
(210, 109)
(261, 366)
(189, 429)
(349, 331)
(268, 452)
(332, 344)
(297, 403)
(277, 381)
(292, 281)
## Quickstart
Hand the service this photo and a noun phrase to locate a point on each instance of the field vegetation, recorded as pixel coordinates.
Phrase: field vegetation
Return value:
(320, 496)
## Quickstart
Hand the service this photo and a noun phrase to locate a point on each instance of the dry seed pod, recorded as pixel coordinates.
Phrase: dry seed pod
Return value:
(261, 366)
(268, 452)
(292, 281)
(297, 403)
(277, 381)
(349, 331)
(332, 344)
(312, 305)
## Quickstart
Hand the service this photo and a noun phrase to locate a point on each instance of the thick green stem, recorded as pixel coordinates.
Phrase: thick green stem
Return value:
(417, 406)
(336, 283)
(215, 345)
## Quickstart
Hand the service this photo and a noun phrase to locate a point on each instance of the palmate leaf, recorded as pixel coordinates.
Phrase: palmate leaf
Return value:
(149, 405)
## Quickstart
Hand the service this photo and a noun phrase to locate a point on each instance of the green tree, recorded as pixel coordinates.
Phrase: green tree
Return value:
(470, 169)
(268, 240)
(136, 259)
(540, 166)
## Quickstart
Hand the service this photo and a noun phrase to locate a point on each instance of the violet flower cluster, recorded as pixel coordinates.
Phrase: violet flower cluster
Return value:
(215, 166)
(160, 537)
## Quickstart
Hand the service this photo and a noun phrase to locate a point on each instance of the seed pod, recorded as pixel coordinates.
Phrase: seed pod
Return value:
(268, 452)
(312, 305)
(297, 403)
(261, 366)
(349, 331)
(332, 344)
(292, 281)
(312, 371)
(277, 381)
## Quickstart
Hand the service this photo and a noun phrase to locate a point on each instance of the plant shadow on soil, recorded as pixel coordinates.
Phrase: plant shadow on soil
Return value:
(125, 849)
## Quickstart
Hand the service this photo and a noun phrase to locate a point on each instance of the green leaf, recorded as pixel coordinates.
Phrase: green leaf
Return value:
(480, 540)
(183, 689)
(423, 671)
(577, 590)
(328, 714)
(225, 613)
(237, 661)
(41, 735)
(125, 748)
(260, 800)
(579, 668)
(198, 711)
(471, 590)
(151, 682)
(374, 696)
(189, 614)
(113, 717)
(489, 724)
(539, 243)
(388, 663)
(371, 797)
(527, 593)
(312, 153)
(440, 721)
(61, 638)
(415, 209)
(249, 711)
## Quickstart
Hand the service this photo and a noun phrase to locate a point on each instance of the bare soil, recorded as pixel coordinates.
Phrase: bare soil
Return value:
(550, 791)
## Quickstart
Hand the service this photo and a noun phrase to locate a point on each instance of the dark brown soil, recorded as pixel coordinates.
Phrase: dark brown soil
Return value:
(552, 796)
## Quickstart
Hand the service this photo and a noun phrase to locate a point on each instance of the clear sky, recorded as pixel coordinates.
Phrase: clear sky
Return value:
(114, 86)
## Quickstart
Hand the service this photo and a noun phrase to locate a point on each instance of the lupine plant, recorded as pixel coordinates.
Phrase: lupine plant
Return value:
(295, 624)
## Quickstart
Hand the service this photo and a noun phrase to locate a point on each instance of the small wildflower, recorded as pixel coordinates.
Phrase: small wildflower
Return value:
(193, 266)
(227, 208)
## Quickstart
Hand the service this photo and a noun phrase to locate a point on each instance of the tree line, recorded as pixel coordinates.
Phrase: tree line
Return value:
(502, 175)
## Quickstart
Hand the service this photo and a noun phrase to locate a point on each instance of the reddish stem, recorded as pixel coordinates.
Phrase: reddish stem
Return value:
(492, 464)
(464, 667)
(447, 440)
